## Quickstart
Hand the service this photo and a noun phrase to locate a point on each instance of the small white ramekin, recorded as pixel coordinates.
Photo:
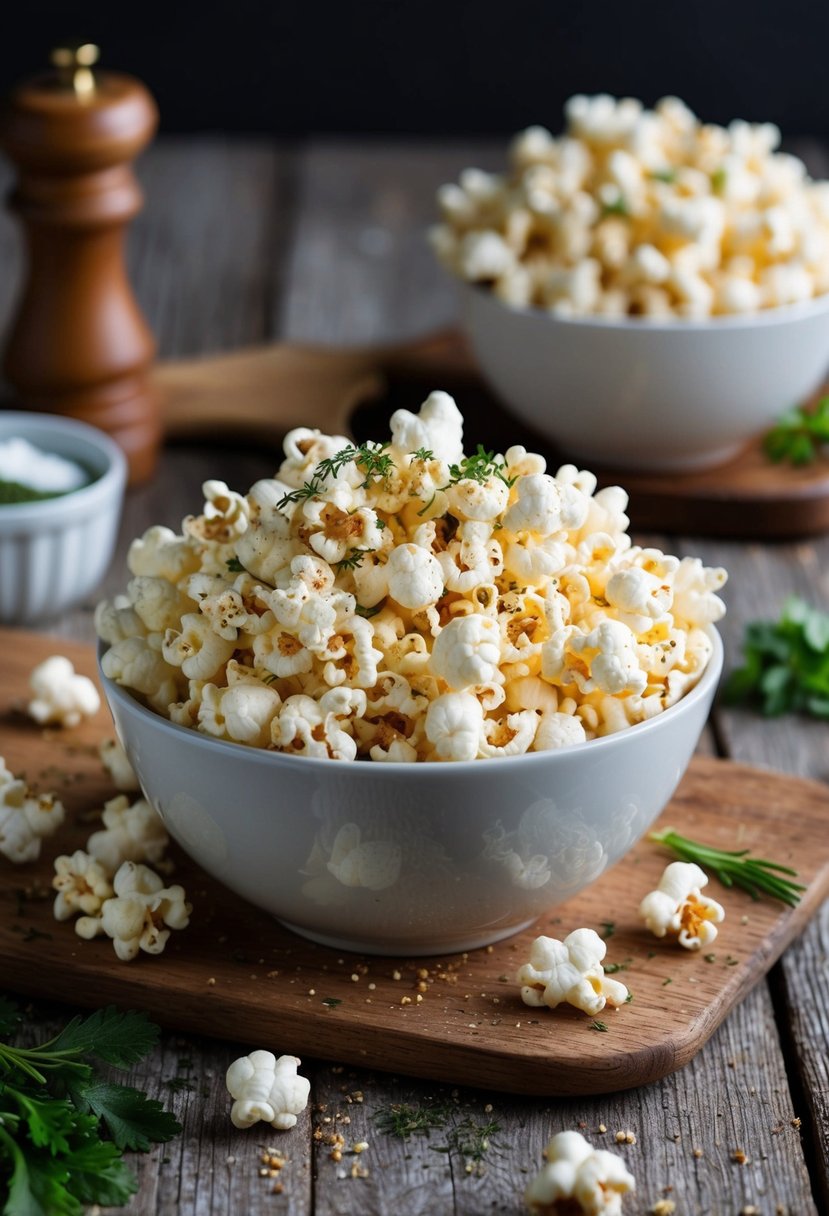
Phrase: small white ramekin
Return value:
(55, 551)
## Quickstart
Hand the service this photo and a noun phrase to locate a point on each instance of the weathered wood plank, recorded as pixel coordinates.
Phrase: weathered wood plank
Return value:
(206, 253)
(732, 1097)
(760, 579)
(361, 270)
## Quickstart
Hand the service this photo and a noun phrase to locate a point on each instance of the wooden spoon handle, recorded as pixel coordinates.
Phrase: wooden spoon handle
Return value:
(265, 391)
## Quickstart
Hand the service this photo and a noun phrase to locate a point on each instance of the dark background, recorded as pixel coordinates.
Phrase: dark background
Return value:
(432, 67)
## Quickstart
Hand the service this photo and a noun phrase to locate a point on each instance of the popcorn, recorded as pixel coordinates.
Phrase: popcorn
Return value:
(570, 972)
(579, 1178)
(407, 602)
(266, 1089)
(116, 762)
(25, 818)
(61, 697)
(677, 907)
(130, 833)
(639, 213)
(140, 915)
(82, 885)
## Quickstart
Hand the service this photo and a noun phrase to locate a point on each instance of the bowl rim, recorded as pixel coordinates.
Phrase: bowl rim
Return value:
(781, 314)
(107, 482)
(436, 770)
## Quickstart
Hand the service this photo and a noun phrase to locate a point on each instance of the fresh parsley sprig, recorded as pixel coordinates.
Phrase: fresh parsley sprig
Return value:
(754, 874)
(54, 1103)
(799, 434)
(786, 668)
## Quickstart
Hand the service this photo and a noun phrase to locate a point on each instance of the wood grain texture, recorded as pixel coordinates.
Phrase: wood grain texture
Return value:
(760, 578)
(236, 972)
(360, 270)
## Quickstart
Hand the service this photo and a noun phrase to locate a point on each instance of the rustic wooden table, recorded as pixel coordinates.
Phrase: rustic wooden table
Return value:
(244, 242)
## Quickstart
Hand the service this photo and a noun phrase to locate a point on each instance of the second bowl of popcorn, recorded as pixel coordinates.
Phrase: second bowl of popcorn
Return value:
(648, 291)
(406, 698)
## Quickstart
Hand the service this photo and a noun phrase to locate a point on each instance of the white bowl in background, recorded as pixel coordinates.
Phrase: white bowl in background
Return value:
(649, 395)
(449, 856)
(54, 551)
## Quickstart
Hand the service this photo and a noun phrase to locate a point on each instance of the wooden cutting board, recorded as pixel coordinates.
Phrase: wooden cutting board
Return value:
(236, 974)
(265, 391)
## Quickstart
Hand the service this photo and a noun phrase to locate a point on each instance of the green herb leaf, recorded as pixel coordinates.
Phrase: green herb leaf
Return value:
(719, 180)
(53, 1108)
(134, 1120)
(116, 1038)
(600, 1026)
(799, 434)
(331, 1002)
(786, 663)
(234, 565)
(619, 207)
(755, 875)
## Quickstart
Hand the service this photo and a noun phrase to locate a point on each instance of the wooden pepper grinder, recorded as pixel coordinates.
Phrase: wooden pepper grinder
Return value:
(79, 344)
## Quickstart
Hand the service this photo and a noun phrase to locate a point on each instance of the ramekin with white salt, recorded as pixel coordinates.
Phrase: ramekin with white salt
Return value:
(59, 512)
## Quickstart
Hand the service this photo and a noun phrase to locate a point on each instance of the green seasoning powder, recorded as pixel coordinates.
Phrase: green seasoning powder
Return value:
(15, 491)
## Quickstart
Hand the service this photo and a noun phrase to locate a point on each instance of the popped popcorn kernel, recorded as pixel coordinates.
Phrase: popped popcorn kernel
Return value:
(578, 1178)
(678, 907)
(406, 602)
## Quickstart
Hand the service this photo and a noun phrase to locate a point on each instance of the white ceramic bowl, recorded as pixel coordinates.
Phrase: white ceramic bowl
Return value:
(54, 552)
(448, 856)
(644, 394)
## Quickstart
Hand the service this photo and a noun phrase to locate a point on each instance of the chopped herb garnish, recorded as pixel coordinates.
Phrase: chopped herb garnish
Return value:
(666, 982)
(731, 962)
(480, 467)
(368, 612)
(608, 928)
(719, 179)
(786, 668)
(353, 559)
(753, 874)
(403, 1120)
(612, 968)
(331, 1002)
(619, 207)
(629, 997)
(179, 1084)
(423, 454)
(32, 935)
(663, 175)
(710, 958)
(596, 1025)
(799, 434)
(234, 565)
(371, 458)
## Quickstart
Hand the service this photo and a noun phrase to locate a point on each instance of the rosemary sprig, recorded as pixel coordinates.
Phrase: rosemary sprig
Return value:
(754, 874)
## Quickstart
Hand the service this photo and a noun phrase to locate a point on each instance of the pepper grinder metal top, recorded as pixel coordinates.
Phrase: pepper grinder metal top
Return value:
(79, 344)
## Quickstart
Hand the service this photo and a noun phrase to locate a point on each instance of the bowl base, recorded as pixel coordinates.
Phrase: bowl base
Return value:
(696, 463)
(409, 949)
